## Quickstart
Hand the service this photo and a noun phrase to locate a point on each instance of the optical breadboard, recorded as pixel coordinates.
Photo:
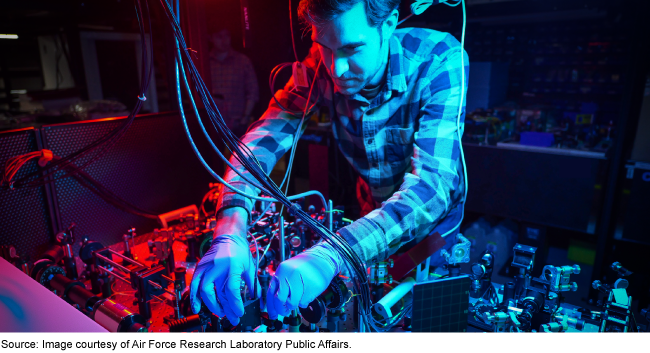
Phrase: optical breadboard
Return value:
(441, 306)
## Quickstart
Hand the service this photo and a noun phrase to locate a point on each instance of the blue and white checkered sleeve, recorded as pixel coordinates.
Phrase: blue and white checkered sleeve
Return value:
(424, 197)
(269, 139)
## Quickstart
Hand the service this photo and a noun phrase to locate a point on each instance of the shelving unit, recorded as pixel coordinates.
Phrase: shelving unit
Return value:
(561, 57)
(20, 68)
(557, 65)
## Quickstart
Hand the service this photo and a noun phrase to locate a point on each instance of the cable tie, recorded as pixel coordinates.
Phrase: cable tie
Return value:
(143, 98)
(46, 156)
(193, 51)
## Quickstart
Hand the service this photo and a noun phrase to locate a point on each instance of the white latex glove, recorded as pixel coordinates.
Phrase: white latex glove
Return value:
(218, 276)
(299, 280)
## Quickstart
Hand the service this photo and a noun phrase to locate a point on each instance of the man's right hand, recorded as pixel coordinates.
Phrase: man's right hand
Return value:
(217, 278)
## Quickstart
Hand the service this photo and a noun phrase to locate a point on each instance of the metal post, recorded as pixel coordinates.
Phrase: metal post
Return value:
(362, 327)
(109, 261)
(127, 259)
(158, 286)
(114, 275)
(281, 239)
(330, 208)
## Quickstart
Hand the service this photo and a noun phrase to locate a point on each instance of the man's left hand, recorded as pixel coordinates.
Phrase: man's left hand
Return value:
(299, 280)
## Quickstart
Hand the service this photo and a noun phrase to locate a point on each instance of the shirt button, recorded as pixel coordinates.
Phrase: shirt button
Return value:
(370, 140)
(374, 164)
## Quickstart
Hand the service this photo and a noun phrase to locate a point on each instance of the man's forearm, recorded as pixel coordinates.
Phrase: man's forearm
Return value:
(231, 220)
(269, 139)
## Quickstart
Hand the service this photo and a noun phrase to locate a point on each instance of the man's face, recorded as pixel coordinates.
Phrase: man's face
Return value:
(221, 41)
(351, 49)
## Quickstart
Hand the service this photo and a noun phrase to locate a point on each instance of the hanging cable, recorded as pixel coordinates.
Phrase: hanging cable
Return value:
(202, 160)
(460, 110)
(248, 161)
(77, 161)
(244, 156)
(287, 176)
(98, 189)
(293, 40)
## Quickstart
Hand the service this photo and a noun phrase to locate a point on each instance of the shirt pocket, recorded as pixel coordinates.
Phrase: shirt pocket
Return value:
(399, 145)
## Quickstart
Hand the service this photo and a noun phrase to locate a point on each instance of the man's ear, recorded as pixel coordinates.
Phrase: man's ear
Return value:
(388, 27)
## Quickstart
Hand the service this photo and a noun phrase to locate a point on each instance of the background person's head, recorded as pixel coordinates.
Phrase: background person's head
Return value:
(352, 36)
(221, 40)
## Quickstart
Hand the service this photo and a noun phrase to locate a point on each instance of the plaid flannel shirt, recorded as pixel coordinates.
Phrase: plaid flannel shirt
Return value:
(233, 83)
(403, 143)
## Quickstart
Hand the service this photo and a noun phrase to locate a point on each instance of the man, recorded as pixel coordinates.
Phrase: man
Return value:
(396, 96)
(234, 84)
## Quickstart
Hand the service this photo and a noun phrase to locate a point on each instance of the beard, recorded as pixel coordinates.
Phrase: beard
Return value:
(350, 84)
(350, 87)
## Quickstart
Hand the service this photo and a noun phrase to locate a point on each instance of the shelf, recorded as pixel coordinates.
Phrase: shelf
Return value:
(552, 150)
(548, 186)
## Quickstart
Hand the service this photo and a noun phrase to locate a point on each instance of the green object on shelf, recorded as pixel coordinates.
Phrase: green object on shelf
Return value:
(583, 252)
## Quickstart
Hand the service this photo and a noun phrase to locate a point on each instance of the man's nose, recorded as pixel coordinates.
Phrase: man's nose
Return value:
(339, 66)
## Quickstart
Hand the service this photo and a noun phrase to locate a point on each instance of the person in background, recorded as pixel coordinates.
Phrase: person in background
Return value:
(234, 84)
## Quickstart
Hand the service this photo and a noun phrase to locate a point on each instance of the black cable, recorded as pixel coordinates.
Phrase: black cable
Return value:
(246, 158)
(65, 166)
(274, 73)
(100, 190)
(293, 40)
(276, 70)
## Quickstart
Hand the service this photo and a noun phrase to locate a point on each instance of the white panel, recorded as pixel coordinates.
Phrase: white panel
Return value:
(27, 306)
(91, 65)
(51, 47)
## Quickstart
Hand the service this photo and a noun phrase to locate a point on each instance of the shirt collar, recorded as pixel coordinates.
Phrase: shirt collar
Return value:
(396, 76)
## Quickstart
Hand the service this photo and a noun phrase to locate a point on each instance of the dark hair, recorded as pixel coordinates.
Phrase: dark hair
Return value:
(320, 12)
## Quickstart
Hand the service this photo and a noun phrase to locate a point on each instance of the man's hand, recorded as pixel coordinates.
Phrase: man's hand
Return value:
(299, 280)
(217, 278)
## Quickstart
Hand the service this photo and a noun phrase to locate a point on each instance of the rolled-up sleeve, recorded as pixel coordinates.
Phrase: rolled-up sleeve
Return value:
(269, 138)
